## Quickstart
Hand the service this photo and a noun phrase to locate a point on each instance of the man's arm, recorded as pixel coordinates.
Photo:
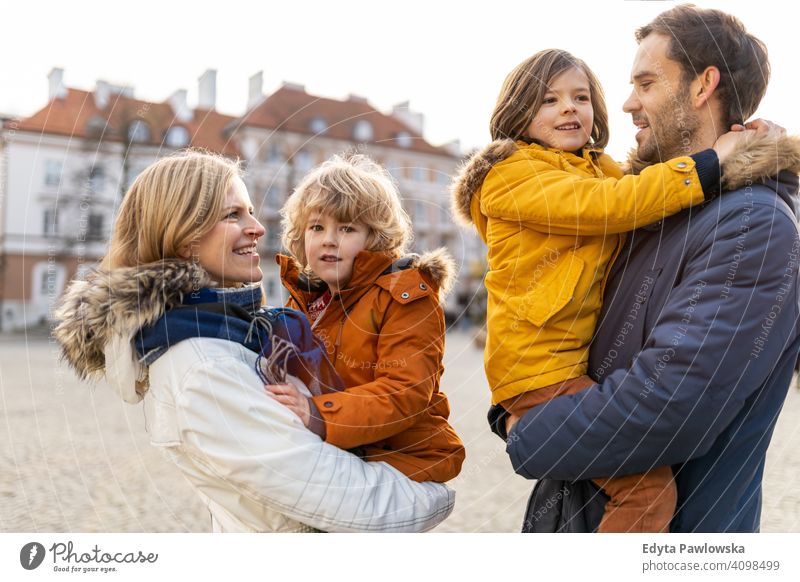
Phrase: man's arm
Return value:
(725, 325)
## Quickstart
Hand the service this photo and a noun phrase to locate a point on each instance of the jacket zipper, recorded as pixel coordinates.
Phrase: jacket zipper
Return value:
(338, 341)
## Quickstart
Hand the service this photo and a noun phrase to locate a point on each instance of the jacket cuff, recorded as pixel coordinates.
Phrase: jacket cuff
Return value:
(517, 462)
(317, 423)
(497, 420)
(706, 164)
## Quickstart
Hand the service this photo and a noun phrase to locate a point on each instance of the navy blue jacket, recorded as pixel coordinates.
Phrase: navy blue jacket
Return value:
(694, 353)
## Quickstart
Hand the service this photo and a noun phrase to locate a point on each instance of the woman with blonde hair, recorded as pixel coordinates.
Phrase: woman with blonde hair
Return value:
(173, 317)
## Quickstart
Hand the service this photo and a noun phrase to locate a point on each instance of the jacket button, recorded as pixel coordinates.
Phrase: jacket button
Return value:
(423, 286)
(682, 164)
(688, 182)
(405, 295)
(327, 404)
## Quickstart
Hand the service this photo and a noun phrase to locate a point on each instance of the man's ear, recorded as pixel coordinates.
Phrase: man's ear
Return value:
(704, 86)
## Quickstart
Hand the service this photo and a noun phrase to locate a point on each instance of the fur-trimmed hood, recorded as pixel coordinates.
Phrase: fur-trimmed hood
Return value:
(438, 267)
(100, 315)
(762, 157)
(471, 174)
(759, 159)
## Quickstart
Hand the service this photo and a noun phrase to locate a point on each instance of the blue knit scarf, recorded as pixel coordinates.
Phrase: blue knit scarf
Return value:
(281, 337)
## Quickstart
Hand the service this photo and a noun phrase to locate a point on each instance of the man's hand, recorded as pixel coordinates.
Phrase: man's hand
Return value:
(291, 398)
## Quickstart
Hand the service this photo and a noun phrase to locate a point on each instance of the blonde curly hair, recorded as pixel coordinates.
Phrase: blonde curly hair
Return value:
(352, 188)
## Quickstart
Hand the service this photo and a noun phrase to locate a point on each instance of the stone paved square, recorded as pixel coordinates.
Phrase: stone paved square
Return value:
(75, 458)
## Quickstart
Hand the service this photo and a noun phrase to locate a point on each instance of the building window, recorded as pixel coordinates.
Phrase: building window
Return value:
(394, 172)
(97, 179)
(95, 227)
(403, 139)
(272, 199)
(303, 161)
(274, 154)
(138, 132)
(273, 238)
(362, 130)
(44, 283)
(132, 173)
(420, 212)
(50, 222)
(177, 137)
(96, 126)
(52, 172)
(418, 174)
(318, 125)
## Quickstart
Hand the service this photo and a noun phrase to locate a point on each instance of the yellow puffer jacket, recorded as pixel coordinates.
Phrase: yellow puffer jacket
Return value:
(554, 223)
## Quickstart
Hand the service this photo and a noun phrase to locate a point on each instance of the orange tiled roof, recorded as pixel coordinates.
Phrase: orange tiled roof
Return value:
(292, 109)
(71, 115)
(288, 109)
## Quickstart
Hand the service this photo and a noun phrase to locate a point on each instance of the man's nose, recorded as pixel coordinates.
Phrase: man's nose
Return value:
(632, 103)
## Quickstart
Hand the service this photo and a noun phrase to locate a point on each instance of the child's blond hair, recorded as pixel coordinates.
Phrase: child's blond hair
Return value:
(171, 204)
(351, 188)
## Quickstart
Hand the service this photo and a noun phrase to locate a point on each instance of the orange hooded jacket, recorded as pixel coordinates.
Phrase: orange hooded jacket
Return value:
(385, 336)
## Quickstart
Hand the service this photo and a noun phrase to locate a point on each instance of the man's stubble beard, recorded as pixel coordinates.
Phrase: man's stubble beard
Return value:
(673, 130)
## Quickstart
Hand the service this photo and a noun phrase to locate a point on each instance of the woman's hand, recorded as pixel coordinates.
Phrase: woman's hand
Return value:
(291, 398)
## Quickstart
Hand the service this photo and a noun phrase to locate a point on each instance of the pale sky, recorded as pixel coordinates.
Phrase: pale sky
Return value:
(448, 58)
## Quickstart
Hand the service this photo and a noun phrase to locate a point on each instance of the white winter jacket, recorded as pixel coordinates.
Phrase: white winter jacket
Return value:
(250, 458)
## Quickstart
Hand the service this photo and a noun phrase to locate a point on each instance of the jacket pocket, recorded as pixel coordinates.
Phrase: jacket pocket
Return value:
(549, 292)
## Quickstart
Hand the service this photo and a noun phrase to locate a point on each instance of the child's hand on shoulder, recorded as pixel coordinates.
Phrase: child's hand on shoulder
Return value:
(291, 398)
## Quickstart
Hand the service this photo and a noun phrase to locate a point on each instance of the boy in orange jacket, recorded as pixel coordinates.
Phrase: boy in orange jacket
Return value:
(379, 316)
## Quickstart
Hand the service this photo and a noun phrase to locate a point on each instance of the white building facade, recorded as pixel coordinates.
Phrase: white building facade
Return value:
(64, 171)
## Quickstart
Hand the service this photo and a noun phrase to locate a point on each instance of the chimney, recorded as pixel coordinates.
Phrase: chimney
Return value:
(294, 86)
(207, 90)
(256, 92)
(356, 98)
(102, 91)
(56, 82)
(412, 119)
(179, 105)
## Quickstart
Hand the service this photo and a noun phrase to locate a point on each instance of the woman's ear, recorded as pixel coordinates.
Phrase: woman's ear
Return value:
(185, 252)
